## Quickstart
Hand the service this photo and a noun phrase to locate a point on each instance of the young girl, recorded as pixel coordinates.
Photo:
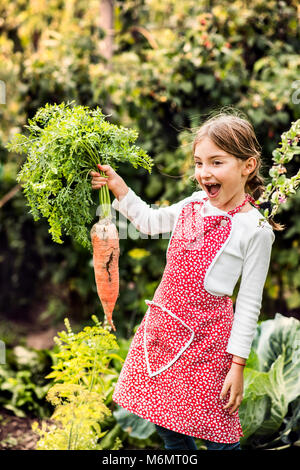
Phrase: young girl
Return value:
(184, 368)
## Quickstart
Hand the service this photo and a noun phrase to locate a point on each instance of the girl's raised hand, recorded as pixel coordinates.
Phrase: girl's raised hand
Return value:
(115, 183)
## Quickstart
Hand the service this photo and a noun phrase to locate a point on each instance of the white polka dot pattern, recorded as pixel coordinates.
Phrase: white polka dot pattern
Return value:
(177, 362)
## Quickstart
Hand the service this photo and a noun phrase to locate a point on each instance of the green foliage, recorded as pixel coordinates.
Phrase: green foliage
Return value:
(281, 187)
(65, 143)
(22, 383)
(82, 382)
(133, 424)
(272, 380)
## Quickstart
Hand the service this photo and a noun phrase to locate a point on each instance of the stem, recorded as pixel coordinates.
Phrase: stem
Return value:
(70, 436)
(89, 390)
(93, 156)
(104, 200)
(9, 195)
(104, 197)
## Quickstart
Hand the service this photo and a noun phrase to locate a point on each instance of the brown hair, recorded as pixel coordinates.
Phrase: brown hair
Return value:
(235, 135)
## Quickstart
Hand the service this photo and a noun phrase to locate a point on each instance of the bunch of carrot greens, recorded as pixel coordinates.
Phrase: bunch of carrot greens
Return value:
(64, 144)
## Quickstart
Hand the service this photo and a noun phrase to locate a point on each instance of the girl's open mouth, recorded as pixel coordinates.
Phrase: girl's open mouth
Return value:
(212, 189)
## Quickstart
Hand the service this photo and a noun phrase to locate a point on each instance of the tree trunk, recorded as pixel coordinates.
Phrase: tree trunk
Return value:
(106, 22)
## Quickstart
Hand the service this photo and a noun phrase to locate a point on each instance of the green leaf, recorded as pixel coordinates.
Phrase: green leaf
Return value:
(133, 424)
(272, 380)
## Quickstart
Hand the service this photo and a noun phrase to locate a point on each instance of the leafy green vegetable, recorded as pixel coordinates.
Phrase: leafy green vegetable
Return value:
(65, 143)
(133, 424)
(272, 379)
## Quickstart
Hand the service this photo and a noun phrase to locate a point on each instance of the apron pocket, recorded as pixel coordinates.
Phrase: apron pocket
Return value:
(166, 337)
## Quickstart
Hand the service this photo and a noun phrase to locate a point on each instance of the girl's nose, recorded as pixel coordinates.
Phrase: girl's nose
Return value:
(205, 172)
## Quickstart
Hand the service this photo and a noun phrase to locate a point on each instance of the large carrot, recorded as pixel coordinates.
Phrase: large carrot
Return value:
(106, 251)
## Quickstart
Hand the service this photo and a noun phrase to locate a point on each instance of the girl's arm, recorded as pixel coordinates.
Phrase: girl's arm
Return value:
(249, 298)
(147, 219)
(238, 360)
(248, 303)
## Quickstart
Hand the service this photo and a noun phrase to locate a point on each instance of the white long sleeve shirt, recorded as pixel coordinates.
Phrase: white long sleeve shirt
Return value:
(246, 253)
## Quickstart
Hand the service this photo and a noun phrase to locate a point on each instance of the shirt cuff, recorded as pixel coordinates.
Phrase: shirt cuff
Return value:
(119, 205)
(243, 352)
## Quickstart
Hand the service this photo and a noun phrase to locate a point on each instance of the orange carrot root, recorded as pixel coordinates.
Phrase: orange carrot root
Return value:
(106, 252)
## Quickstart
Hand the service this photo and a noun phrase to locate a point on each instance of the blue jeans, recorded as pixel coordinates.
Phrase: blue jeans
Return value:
(175, 441)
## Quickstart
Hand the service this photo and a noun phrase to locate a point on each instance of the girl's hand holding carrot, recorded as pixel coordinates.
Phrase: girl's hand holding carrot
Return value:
(115, 183)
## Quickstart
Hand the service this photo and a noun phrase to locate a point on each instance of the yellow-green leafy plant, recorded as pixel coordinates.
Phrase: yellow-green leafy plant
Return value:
(82, 381)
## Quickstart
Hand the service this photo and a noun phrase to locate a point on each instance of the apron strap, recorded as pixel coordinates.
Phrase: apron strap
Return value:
(252, 201)
(247, 198)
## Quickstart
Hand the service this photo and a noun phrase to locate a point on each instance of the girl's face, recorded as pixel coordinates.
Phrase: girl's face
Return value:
(227, 173)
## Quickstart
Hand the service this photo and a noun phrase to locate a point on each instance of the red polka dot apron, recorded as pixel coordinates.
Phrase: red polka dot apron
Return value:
(177, 361)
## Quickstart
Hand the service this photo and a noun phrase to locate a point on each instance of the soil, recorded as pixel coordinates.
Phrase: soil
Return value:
(16, 433)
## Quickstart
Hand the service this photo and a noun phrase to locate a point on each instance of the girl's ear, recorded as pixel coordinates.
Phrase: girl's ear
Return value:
(249, 165)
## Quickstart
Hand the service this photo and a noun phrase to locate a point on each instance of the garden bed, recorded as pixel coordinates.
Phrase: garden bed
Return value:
(16, 432)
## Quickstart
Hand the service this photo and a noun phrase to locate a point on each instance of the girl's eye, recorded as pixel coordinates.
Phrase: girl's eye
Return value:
(216, 161)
